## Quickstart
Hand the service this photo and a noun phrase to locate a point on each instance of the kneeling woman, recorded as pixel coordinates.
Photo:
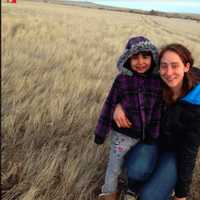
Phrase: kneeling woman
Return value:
(171, 166)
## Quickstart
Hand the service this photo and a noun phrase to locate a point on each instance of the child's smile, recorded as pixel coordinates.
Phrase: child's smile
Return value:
(140, 62)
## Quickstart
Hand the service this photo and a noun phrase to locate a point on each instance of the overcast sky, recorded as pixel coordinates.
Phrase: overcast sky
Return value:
(192, 6)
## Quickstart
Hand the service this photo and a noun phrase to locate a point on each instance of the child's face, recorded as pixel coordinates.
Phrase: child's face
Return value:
(140, 62)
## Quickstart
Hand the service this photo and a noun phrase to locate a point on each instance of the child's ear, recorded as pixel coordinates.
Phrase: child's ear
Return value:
(187, 67)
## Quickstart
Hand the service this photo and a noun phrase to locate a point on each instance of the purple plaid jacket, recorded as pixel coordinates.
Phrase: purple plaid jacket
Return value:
(141, 98)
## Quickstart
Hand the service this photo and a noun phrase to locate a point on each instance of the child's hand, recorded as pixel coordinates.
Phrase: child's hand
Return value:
(120, 117)
(98, 140)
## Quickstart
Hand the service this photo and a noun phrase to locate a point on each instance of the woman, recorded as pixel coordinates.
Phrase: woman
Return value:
(172, 165)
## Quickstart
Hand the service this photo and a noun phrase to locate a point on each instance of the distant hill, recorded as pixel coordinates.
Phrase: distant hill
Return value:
(89, 4)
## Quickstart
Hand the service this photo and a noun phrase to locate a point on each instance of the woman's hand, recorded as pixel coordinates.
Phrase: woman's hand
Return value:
(176, 198)
(120, 117)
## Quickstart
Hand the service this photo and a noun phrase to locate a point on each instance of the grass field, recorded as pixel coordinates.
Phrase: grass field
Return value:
(58, 65)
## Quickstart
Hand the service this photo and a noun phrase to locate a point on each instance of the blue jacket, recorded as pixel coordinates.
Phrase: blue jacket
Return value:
(181, 133)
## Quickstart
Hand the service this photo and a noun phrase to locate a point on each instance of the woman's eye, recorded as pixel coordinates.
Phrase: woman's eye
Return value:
(163, 66)
(175, 65)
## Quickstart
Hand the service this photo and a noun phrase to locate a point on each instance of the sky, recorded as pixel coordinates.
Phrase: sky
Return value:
(186, 6)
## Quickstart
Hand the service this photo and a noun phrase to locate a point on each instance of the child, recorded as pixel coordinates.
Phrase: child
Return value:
(138, 90)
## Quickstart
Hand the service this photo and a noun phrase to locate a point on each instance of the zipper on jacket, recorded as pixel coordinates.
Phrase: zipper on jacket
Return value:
(142, 113)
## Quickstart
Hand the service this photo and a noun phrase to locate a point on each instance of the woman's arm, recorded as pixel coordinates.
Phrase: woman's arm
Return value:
(186, 158)
(176, 198)
(187, 150)
(120, 118)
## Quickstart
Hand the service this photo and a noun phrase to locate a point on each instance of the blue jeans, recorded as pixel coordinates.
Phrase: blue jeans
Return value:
(155, 172)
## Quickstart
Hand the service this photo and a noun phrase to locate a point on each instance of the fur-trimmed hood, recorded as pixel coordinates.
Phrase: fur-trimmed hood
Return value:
(134, 46)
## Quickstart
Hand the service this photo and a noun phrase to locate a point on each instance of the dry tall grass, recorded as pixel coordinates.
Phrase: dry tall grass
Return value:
(58, 65)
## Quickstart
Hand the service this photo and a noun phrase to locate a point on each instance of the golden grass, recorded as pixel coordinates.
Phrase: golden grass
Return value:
(58, 65)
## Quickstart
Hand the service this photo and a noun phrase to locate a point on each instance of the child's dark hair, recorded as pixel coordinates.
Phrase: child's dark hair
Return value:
(190, 80)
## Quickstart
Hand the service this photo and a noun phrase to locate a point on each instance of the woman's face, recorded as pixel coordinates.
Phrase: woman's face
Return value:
(172, 69)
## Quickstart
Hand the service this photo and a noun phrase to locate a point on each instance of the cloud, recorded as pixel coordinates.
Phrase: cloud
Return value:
(181, 2)
(154, 3)
(190, 3)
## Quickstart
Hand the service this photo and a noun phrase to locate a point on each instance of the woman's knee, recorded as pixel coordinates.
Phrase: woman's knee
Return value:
(138, 172)
(163, 179)
(141, 162)
(168, 165)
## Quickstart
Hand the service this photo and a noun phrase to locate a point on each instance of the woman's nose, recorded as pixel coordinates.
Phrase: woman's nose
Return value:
(169, 71)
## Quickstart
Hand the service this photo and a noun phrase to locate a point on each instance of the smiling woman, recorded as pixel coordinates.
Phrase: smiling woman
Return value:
(175, 64)
(180, 131)
(172, 71)
(179, 137)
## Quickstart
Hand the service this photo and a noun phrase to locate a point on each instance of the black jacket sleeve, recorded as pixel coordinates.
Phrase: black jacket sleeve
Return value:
(196, 72)
(188, 149)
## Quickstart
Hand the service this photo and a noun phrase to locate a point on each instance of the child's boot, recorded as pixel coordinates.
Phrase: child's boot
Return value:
(109, 196)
